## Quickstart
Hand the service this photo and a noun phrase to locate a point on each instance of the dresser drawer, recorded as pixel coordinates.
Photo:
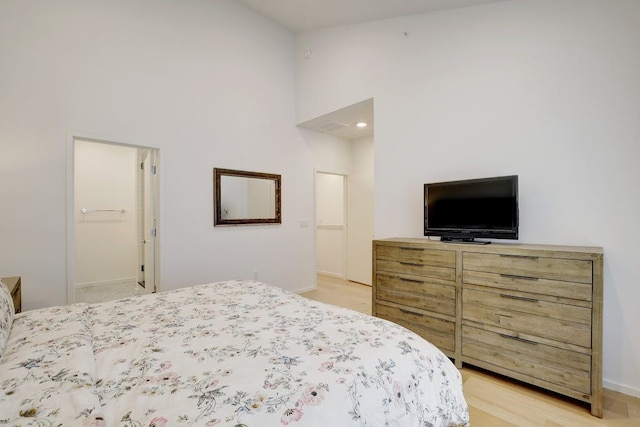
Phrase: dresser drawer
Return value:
(568, 270)
(539, 361)
(508, 282)
(419, 255)
(418, 292)
(560, 322)
(416, 268)
(438, 332)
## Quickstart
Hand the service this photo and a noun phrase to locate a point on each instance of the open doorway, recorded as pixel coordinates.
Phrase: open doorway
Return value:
(112, 244)
(342, 143)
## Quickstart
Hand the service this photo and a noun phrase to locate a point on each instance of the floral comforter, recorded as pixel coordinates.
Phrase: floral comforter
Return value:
(237, 353)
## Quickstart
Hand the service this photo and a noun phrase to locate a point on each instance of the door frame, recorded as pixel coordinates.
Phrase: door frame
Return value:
(72, 136)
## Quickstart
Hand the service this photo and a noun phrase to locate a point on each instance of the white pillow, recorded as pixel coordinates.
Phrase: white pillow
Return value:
(7, 312)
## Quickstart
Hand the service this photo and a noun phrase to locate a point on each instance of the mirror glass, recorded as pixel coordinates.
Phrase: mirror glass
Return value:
(243, 197)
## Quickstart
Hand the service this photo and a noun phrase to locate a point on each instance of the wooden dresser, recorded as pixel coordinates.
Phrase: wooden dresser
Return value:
(529, 312)
(15, 287)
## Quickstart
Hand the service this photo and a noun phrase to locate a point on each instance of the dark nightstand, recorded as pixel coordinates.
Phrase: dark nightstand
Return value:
(14, 285)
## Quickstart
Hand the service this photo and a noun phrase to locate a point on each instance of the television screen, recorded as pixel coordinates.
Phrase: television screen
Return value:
(486, 207)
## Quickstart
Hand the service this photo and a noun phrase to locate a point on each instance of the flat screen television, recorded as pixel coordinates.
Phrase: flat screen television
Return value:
(473, 208)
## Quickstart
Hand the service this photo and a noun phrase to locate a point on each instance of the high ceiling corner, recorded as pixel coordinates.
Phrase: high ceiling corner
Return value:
(314, 14)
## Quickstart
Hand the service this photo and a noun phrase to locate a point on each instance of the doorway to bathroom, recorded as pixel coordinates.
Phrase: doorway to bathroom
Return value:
(114, 223)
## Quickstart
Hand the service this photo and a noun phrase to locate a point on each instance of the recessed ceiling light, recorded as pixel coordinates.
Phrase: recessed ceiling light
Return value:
(361, 124)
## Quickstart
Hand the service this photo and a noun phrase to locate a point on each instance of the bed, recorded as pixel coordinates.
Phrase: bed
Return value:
(234, 353)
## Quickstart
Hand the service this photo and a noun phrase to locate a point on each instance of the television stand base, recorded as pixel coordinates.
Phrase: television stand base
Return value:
(469, 240)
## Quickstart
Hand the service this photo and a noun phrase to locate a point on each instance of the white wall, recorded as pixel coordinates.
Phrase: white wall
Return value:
(546, 89)
(209, 83)
(106, 243)
(330, 154)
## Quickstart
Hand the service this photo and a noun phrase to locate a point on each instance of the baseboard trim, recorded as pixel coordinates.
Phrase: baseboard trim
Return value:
(621, 388)
(107, 282)
(301, 291)
(326, 273)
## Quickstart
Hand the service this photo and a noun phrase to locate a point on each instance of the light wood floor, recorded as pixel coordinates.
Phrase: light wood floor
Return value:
(495, 401)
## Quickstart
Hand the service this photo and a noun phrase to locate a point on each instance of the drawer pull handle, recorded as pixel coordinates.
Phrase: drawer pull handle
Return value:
(518, 256)
(526, 341)
(412, 264)
(404, 248)
(519, 298)
(411, 280)
(411, 312)
(515, 276)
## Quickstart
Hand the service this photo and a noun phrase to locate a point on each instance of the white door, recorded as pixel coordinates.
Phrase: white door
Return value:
(331, 226)
(147, 220)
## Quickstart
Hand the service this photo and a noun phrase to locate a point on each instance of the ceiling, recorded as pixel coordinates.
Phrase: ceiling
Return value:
(303, 15)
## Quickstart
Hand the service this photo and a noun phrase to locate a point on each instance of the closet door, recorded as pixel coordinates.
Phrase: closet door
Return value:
(331, 227)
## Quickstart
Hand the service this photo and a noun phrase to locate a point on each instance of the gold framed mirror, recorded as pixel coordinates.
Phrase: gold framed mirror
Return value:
(243, 197)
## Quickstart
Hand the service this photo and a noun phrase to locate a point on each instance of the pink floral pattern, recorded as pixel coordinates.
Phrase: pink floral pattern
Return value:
(237, 353)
